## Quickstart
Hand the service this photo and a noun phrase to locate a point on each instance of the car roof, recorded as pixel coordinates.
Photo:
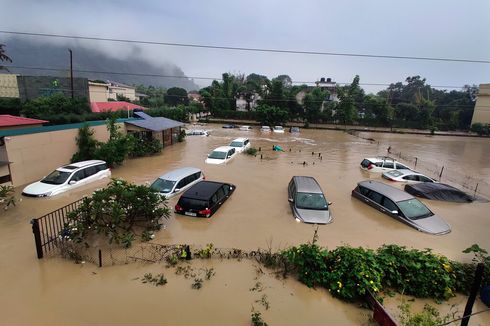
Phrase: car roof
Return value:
(73, 166)
(278, 126)
(177, 174)
(242, 139)
(202, 190)
(380, 158)
(429, 187)
(393, 193)
(223, 149)
(404, 172)
(307, 184)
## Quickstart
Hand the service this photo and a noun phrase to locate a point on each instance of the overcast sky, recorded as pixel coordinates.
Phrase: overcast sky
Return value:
(422, 28)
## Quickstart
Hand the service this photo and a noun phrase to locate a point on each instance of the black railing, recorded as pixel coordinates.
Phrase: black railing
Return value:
(47, 229)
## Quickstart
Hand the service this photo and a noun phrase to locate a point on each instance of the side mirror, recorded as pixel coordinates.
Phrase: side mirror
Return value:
(228, 156)
(395, 212)
(330, 203)
(72, 182)
(177, 190)
(291, 200)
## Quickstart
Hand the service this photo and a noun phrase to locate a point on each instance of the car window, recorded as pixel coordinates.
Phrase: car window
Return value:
(162, 185)
(56, 177)
(379, 164)
(226, 189)
(388, 165)
(214, 199)
(307, 200)
(363, 190)
(101, 167)
(365, 163)
(389, 204)
(220, 193)
(188, 203)
(182, 183)
(374, 196)
(77, 176)
(414, 209)
(91, 170)
(424, 179)
(411, 177)
(218, 155)
(401, 166)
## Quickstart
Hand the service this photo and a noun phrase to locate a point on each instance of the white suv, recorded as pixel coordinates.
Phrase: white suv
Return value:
(68, 177)
(221, 155)
(381, 164)
(240, 144)
(176, 181)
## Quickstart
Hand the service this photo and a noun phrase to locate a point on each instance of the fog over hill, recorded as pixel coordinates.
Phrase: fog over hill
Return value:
(104, 63)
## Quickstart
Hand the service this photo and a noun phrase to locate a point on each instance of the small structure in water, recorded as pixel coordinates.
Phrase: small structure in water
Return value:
(277, 148)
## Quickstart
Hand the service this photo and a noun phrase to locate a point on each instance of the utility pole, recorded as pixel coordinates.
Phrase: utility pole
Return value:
(71, 73)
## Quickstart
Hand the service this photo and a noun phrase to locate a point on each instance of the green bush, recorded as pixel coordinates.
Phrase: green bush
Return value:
(481, 129)
(145, 147)
(7, 197)
(309, 262)
(352, 272)
(251, 151)
(417, 272)
(114, 212)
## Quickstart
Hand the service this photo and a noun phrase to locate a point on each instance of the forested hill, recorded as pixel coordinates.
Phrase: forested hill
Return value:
(47, 55)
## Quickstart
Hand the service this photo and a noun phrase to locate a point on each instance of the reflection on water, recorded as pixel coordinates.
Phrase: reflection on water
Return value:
(257, 215)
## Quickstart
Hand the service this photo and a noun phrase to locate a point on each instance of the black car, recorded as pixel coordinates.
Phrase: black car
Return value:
(438, 191)
(204, 198)
(230, 126)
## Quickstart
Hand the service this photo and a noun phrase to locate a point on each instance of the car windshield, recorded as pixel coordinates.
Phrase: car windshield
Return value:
(56, 177)
(236, 144)
(414, 209)
(188, 203)
(162, 185)
(307, 200)
(217, 155)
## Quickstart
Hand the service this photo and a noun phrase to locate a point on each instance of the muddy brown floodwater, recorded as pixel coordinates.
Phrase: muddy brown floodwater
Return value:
(54, 291)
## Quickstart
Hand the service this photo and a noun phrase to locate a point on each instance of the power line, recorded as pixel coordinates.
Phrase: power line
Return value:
(195, 77)
(232, 48)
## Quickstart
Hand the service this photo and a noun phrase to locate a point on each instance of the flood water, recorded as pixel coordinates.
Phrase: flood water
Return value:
(54, 291)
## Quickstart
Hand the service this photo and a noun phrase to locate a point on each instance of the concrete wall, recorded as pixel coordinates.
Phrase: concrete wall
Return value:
(36, 155)
(482, 106)
(31, 87)
(128, 92)
(98, 92)
(8, 86)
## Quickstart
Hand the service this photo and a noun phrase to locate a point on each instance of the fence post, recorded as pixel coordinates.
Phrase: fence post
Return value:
(440, 174)
(100, 258)
(37, 237)
(474, 290)
(415, 163)
(476, 188)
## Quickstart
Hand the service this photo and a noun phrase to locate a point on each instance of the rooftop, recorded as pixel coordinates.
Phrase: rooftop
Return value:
(113, 106)
(154, 124)
(7, 120)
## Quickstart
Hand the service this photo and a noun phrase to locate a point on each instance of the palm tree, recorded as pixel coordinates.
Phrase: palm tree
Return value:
(3, 57)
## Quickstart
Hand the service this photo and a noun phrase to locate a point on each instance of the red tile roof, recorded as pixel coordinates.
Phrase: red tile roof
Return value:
(114, 106)
(7, 120)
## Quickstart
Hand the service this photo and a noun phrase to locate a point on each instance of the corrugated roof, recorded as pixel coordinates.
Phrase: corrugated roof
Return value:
(153, 124)
(7, 120)
(113, 106)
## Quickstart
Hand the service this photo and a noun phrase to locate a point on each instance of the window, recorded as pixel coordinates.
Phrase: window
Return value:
(79, 175)
(411, 177)
(388, 165)
(162, 185)
(220, 193)
(56, 177)
(246, 142)
(214, 199)
(389, 204)
(311, 201)
(424, 179)
(414, 209)
(91, 170)
(184, 182)
(226, 189)
(363, 191)
(374, 196)
(101, 167)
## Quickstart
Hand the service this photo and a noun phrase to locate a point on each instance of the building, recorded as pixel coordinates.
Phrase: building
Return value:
(247, 101)
(103, 91)
(32, 87)
(113, 106)
(98, 91)
(8, 121)
(481, 114)
(330, 86)
(165, 130)
(8, 86)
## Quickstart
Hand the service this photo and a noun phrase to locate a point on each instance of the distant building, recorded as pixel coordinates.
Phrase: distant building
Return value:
(99, 91)
(242, 103)
(113, 106)
(481, 114)
(8, 86)
(103, 91)
(330, 86)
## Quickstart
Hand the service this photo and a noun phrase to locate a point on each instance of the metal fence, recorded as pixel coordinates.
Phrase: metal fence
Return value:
(47, 229)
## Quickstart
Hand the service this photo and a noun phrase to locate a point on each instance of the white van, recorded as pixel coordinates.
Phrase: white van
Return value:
(221, 155)
(240, 144)
(68, 177)
(177, 181)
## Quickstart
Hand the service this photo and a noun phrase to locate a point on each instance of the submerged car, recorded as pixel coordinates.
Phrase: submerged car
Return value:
(381, 164)
(240, 144)
(439, 191)
(265, 129)
(230, 126)
(278, 129)
(221, 155)
(68, 177)
(177, 181)
(400, 205)
(245, 128)
(294, 130)
(407, 176)
(204, 198)
(196, 132)
(307, 201)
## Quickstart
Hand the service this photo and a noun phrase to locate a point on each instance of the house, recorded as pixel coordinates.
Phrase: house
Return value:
(103, 91)
(165, 130)
(330, 86)
(481, 114)
(114, 106)
(8, 121)
(247, 101)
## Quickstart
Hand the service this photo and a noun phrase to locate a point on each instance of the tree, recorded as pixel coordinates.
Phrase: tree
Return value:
(118, 212)
(313, 104)
(286, 81)
(4, 57)
(117, 147)
(86, 143)
(176, 96)
(271, 115)
(382, 111)
(348, 95)
(45, 106)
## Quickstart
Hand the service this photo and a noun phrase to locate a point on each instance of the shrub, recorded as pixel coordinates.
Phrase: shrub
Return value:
(309, 263)
(351, 272)
(251, 151)
(415, 272)
(481, 129)
(114, 212)
(144, 147)
(7, 197)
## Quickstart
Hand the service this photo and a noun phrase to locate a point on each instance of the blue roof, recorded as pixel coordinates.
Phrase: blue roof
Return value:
(153, 124)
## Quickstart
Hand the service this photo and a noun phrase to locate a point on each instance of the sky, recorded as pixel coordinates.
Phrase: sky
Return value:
(436, 28)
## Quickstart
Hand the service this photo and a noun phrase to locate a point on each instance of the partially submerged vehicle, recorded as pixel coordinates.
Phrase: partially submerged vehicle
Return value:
(221, 155)
(407, 176)
(307, 201)
(439, 191)
(278, 129)
(196, 132)
(240, 144)
(265, 129)
(400, 205)
(245, 128)
(177, 181)
(294, 130)
(230, 126)
(381, 164)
